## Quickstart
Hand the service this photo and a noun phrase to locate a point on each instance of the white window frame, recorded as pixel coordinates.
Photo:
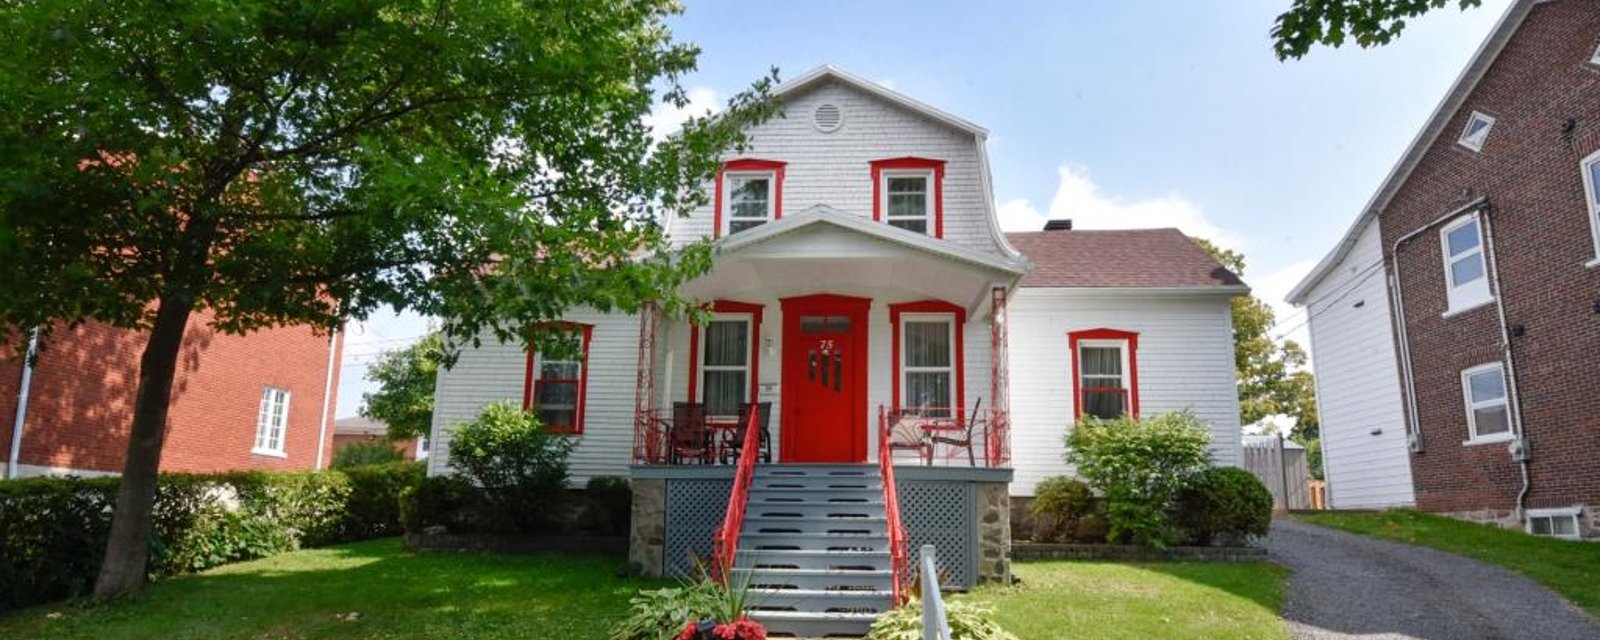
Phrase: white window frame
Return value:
(1125, 383)
(949, 319)
(1553, 514)
(927, 217)
(539, 360)
(1462, 297)
(1591, 197)
(1594, 58)
(272, 414)
(1476, 144)
(748, 320)
(727, 201)
(1471, 406)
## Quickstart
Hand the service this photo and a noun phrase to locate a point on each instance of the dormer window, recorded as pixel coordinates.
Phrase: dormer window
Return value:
(909, 193)
(1476, 131)
(749, 194)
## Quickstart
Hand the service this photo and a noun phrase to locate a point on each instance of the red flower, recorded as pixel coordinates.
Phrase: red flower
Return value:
(741, 629)
(688, 632)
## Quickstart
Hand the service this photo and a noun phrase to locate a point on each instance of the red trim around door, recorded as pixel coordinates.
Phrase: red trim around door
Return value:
(728, 306)
(749, 164)
(932, 306)
(1130, 337)
(890, 164)
(825, 304)
(529, 378)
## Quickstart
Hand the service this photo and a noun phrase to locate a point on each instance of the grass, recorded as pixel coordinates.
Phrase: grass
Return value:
(1567, 567)
(392, 594)
(1066, 599)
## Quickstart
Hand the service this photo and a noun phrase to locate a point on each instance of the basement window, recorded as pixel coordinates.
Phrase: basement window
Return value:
(1555, 523)
(1476, 131)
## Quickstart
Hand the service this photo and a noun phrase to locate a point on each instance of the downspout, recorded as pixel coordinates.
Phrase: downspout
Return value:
(327, 397)
(1523, 459)
(13, 462)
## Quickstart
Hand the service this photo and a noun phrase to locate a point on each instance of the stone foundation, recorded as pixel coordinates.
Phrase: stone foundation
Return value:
(994, 532)
(648, 539)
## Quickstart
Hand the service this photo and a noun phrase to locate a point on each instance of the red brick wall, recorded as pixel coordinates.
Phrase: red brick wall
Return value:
(408, 448)
(1529, 171)
(81, 402)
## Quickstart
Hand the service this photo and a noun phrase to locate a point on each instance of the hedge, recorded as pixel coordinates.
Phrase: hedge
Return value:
(53, 530)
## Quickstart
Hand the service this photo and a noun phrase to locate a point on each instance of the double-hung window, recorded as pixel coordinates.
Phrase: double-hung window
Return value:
(908, 199)
(272, 420)
(725, 372)
(750, 200)
(928, 364)
(1591, 194)
(1105, 373)
(558, 380)
(1466, 276)
(1488, 415)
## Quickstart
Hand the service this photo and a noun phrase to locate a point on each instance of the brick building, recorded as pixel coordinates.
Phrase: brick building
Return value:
(1484, 247)
(260, 401)
(362, 430)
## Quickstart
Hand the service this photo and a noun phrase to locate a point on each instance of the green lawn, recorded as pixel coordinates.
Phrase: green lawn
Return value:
(392, 594)
(1065, 599)
(1565, 566)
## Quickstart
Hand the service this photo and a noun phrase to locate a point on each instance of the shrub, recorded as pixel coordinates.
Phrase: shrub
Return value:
(438, 501)
(611, 498)
(373, 509)
(1059, 505)
(1224, 504)
(1139, 466)
(968, 621)
(661, 613)
(364, 454)
(519, 468)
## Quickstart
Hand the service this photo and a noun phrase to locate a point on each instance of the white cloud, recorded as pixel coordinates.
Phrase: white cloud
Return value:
(666, 118)
(1078, 198)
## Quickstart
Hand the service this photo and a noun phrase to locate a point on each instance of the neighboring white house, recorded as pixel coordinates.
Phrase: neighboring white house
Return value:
(859, 232)
(1364, 455)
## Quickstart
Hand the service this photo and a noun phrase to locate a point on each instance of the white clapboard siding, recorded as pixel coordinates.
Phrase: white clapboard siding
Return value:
(1358, 382)
(834, 168)
(498, 371)
(1185, 361)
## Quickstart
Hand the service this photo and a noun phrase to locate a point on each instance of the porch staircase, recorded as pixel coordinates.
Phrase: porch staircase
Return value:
(814, 550)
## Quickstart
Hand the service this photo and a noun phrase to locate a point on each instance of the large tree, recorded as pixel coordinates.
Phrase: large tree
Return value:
(405, 377)
(1369, 23)
(1272, 376)
(259, 163)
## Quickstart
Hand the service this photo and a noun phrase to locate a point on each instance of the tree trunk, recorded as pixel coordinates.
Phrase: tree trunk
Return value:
(128, 550)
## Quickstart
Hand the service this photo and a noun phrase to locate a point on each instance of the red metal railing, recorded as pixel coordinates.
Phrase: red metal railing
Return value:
(726, 541)
(950, 436)
(899, 556)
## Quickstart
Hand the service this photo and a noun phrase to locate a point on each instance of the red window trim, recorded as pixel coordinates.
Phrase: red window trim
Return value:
(728, 306)
(932, 306)
(893, 164)
(1132, 338)
(530, 379)
(750, 164)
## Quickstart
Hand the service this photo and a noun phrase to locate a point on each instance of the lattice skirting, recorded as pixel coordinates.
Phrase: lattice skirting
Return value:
(694, 511)
(943, 514)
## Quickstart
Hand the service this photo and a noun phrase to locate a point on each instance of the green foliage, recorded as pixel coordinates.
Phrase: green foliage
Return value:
(405, 377)
(1066, 510)
(373, 508)
(362, 454)
(518, 468)
(53, 530)
(660, 614)
(1369, 22)
(1223, 505)
(968, 621)
(612, 497)
(1272, 376)
(438, 501)
(1139, 466)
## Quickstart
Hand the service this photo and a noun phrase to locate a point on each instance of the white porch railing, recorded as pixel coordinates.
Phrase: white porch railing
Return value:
(935, 624)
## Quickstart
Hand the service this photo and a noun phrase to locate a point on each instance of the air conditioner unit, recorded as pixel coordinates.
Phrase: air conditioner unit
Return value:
(1520, 450)
(1414, 442)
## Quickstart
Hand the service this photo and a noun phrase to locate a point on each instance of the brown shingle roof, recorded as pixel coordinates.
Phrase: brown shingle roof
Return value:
(1155, 258)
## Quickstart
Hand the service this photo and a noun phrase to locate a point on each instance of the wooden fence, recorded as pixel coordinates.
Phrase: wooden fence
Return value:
(1284, 470)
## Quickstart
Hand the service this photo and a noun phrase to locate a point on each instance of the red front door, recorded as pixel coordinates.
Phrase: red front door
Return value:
(824, 379)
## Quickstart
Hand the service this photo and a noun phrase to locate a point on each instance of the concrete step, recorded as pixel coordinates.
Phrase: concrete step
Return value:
(801, 624)
(817, 525)
(835, 510)
(760, 542)
(811, 559)
(820, 601)
(816, 470)
(817, 483)
(816, 579)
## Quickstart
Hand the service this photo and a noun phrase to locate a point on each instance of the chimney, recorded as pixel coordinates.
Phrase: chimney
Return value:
(1064, 224)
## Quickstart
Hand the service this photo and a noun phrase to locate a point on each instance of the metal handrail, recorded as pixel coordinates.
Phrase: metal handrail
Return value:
(726, 541)
(898, 555)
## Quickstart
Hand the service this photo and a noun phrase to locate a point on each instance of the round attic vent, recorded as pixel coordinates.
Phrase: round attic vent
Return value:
(828, 117)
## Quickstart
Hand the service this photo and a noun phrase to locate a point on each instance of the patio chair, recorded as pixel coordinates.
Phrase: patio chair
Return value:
(689, 438)
(905, 433)
(735, 440)
(963, 436)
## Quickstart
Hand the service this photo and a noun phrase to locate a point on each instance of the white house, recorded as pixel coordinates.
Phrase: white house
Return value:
(862, 290)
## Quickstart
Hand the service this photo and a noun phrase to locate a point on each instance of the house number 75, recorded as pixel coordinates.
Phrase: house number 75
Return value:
(827, 346)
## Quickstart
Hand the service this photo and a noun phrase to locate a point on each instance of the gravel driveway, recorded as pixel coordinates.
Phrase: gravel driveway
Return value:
(1349, 586)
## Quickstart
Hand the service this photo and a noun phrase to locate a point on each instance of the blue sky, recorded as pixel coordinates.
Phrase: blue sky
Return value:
(1132, 113)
